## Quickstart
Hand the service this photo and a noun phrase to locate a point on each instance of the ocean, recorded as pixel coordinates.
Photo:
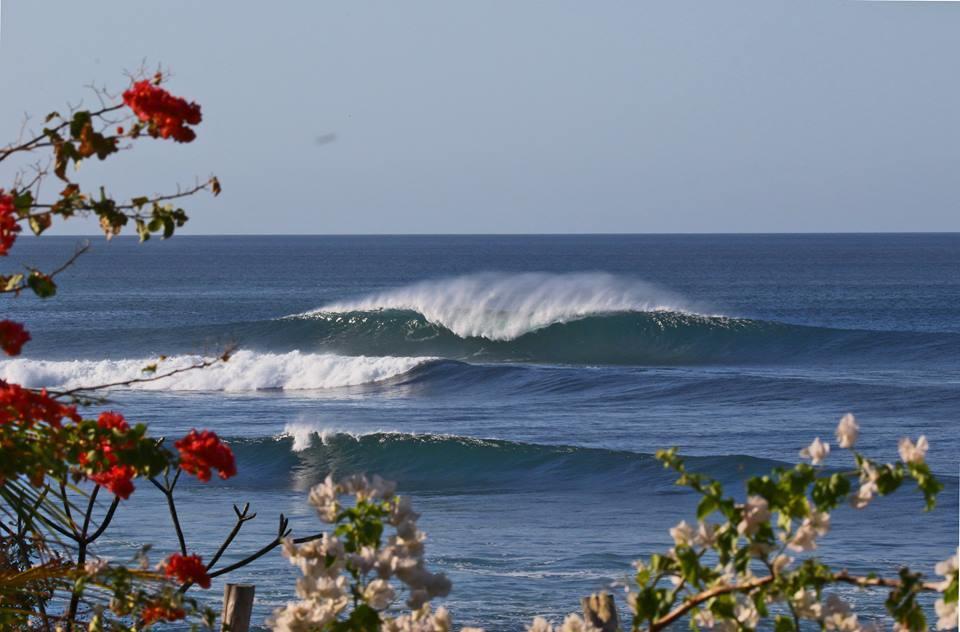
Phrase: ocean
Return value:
(516, 387)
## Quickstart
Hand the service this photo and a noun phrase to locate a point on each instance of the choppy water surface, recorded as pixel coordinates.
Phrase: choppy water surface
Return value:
(517, 387)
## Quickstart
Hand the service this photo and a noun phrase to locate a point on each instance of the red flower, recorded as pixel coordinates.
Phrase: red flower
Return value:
(187, 568)
(166, 115)
(118, 479)
(20, 405)
(109, 420)
(159, 612)
(201, 451)
(12, 337)
(8, 223)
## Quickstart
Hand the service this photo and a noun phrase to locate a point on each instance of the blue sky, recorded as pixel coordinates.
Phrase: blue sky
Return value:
(499, 117)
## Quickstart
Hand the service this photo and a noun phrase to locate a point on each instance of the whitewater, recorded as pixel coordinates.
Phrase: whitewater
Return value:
(244, 371)
(506, 306)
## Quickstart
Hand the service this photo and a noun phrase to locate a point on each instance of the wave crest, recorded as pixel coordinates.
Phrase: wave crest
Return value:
(246, 371)
(506, 306)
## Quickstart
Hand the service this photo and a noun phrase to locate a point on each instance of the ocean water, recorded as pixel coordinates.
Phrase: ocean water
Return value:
(516, 387)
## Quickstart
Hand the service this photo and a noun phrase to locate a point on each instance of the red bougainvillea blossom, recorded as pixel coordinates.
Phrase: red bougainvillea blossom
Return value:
(106, 471)
(187, 568)
(160, 612)
(167, 115)
(110, 420)
(201, 451)
(12, 337)
(8, 223)
(118, 479)
(23, 406)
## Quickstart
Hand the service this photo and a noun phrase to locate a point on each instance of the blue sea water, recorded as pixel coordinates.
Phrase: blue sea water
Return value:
(516, 387)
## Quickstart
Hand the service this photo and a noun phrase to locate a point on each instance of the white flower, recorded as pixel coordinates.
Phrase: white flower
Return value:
(816, 451)
(946, 614)
(324, 498)
(755, 513)
(847, 431)
(838, 615)
(913, 454)
(540, 625)
(312, 557)
(706, 535)
(816, 524)
(378, 594)
(332, 592)
(780, 563)
(382, 489)
(420, 621)
(573, 623)
(806, 604)
(402, 511)
(706, 619)
(364, 560)
(868, 487)
(948, 569)
(746, 613)
(301, 616)
(682, 534)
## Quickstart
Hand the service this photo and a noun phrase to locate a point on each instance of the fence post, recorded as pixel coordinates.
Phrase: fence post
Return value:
(600, 613)
(237, 607)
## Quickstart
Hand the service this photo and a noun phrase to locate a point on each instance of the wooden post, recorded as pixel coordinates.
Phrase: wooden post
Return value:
(237, 607)
(600, 613)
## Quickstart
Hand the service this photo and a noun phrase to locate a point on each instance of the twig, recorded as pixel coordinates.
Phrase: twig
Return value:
(167, 490)
(223, 357)
(242, 517)
(83, 248)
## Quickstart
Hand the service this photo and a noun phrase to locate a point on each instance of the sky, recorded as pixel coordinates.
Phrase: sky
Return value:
(521, 117)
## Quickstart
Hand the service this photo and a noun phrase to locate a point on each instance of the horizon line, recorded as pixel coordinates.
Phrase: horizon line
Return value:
(521, 234)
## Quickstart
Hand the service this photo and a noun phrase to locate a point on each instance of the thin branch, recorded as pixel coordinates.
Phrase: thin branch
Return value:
(868, 582)
(23, 285)
(37, 141)
(131, 206)
(66, 506)
(695, 600)
(81, 556)
(223, 357)
(282, 532)
(242, 517)
(842, 577)
(167, 490)
(106, 520)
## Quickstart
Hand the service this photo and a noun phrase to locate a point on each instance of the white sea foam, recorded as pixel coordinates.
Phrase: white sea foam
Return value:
(246, 371)
(504, 306)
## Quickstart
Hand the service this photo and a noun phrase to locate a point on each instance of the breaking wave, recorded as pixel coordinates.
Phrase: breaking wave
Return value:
(245, 371)
(504, 307)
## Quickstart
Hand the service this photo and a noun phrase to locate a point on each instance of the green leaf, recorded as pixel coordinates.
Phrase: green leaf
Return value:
(22, 202)
(706, 507)
(784, 624)
(42, 285)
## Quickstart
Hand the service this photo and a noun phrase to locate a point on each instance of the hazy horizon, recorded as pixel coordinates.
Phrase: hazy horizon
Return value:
(536, 118)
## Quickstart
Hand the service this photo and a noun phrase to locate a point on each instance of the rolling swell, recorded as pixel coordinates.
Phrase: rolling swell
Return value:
(428, 462)
(643, 338)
